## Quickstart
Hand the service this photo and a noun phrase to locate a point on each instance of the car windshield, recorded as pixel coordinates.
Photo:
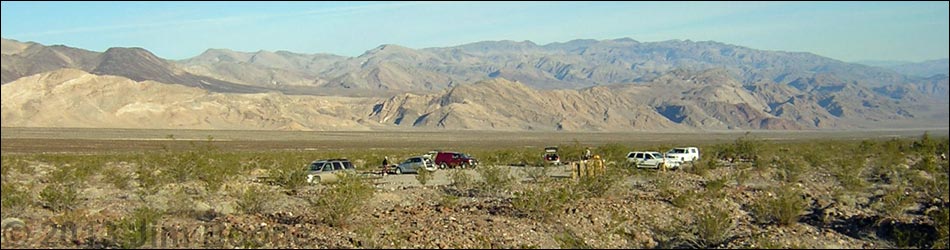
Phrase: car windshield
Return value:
(657, 155)
(677, 151)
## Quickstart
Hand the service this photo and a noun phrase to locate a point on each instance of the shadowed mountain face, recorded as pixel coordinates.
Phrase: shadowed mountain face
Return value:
(610, 85)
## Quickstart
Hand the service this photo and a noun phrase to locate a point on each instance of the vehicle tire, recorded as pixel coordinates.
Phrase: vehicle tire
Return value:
(398, 170)
(442, 165)
(316, 179)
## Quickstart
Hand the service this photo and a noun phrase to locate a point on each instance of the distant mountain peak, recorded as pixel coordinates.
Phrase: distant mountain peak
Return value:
(137, 51)
(625, 40)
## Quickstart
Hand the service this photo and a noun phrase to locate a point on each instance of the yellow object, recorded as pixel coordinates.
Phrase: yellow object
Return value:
(593, 167)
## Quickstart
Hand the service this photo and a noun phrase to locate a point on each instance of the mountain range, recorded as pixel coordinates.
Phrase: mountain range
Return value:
(580, 85)
(922, 69)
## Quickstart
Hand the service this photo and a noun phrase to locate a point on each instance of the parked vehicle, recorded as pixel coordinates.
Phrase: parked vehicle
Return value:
(445, 159)
(651, 159)
(414, 164)
(328, 171)
(686, 154)
(550, 156)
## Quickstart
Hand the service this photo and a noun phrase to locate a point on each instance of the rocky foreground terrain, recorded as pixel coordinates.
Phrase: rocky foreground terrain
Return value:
(803, 200)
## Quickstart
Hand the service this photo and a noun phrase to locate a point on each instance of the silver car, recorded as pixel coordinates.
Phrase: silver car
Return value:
(328, 171)
(413, 164)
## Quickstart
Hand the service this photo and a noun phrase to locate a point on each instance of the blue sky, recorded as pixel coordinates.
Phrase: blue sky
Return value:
(848, 31)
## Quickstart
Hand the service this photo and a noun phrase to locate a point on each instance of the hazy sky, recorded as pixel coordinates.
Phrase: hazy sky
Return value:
(848, 31)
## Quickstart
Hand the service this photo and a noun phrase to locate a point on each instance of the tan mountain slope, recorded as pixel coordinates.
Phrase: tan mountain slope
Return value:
(262, 68)
(500, 104)
(73, 98)
(10, 47)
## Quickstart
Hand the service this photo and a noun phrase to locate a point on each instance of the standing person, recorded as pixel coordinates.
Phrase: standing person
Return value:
(587, 154)
(385, 165)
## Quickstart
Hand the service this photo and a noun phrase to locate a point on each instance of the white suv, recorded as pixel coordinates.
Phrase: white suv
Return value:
(651, 159)
(686, 154)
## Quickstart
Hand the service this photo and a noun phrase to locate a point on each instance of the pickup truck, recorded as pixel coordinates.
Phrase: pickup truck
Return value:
(686, 154)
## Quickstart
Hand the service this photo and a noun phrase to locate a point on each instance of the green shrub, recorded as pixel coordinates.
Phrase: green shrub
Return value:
(341, 200)
(664, 186)
(495, 180)
(747, 147)
(596, 185)
(543, 202)
(925, 145)
(927, 163)
(849, 172)
(60, 196)
(713, 226)
(714, 188)
(148, 175)
(612, 152)
(570, 152)
(520, 157)
(6, 167)
(15, 199)
(941, 219)
(760, 241)
(253, 199)
(783, 208)
(289, 174)
(790, 169)
(461, 180)
(741, 176)
(895, 201)
(200, 162)
(685, 199)
(448, 200)
(423, 176)
(137, 229)
(702, 167)
(118, 178)
(539, 173)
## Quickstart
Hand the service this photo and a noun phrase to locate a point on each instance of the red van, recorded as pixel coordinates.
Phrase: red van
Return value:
(445, 159)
